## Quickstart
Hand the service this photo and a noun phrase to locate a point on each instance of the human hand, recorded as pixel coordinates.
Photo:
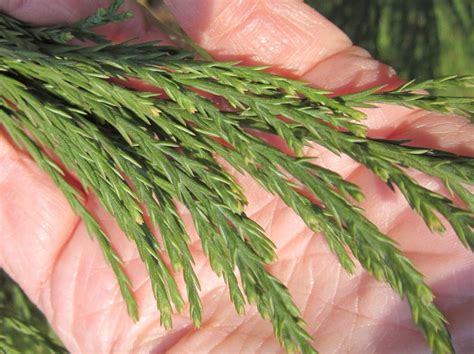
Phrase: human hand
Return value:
(46, 249)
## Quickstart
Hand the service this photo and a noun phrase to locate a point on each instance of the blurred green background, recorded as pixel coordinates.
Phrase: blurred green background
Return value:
(421, 39)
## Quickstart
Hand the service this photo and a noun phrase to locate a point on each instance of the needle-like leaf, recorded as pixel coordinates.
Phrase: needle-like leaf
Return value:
(140, 154)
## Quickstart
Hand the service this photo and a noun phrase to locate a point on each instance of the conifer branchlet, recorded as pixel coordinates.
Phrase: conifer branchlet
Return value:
(61, 96)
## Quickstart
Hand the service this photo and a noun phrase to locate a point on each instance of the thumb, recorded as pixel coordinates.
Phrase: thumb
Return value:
(295, 41)
(288, 35)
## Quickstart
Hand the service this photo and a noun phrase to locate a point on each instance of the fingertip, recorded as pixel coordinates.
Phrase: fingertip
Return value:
(288, 35)
(352, 70)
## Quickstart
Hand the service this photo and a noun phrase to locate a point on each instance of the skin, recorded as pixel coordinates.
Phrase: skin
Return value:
(46, 249)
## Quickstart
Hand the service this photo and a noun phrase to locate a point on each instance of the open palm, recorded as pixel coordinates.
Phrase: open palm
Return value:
(47, 250)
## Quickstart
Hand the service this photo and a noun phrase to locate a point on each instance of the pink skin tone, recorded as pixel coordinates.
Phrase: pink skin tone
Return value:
(46, 249)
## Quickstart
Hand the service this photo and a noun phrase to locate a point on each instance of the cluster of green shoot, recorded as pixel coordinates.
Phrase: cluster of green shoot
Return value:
(66, 98)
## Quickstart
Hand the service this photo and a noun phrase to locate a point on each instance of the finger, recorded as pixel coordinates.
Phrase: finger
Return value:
(288, 35)
(298, 42)
(48, 12)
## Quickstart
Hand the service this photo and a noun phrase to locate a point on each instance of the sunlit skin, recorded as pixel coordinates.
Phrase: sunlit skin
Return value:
(46, 248)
